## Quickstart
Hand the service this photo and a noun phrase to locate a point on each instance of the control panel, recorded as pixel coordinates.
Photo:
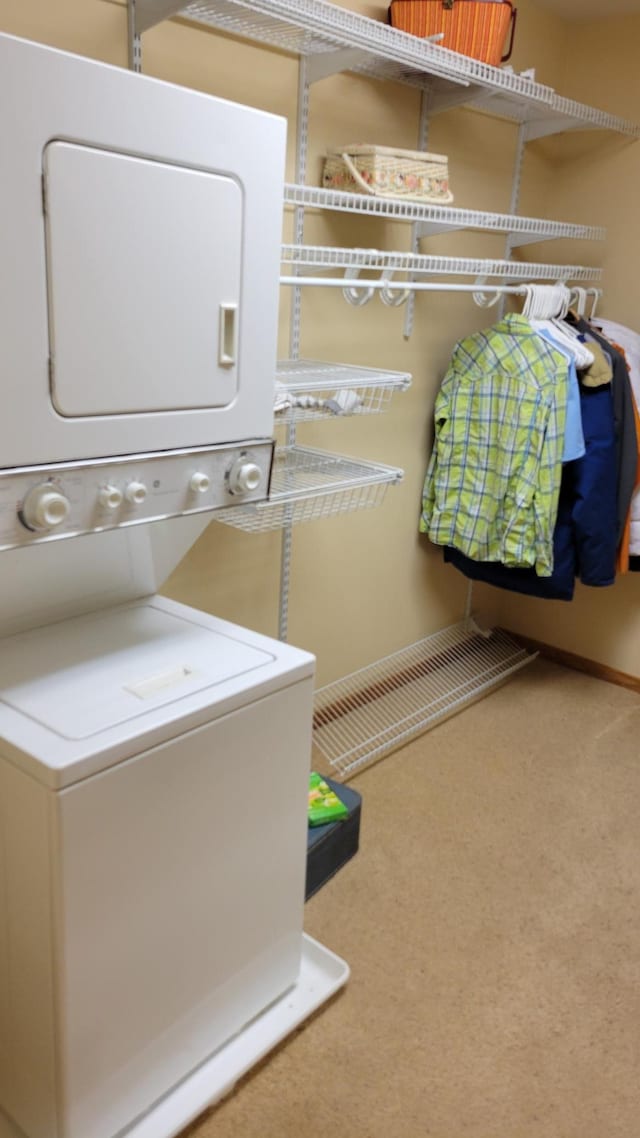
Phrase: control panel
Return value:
(43, 503)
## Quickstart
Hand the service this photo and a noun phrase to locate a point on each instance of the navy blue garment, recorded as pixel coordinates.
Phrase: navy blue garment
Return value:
(585, 535)
(594, 488)
(624, 423)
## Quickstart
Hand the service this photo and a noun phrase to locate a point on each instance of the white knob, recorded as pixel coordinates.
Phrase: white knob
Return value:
(244, 477)
(110, 497)
(45, 507)
(136, 493)
(199, 482)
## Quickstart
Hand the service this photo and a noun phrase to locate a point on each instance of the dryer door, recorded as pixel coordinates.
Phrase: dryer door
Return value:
(127, 240)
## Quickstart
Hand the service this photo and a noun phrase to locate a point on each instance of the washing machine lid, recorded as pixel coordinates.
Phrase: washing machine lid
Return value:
(80, 695)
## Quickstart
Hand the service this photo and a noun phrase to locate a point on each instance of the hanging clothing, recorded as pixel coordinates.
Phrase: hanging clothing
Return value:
(493, 481)
(629, 343)
(600, 372)
(632, 524)
(585, 534)
(573, 433)
(625, 427)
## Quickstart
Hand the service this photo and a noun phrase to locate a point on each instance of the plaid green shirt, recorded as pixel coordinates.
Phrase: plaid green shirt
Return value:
(493, 481)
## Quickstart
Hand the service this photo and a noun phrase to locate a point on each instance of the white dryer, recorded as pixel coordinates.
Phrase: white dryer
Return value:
(140, 245)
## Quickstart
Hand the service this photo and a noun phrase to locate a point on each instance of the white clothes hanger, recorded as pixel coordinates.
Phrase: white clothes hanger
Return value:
(547, 304)
(583, 355)
(528, 297)
(581, 301)
(597, 293)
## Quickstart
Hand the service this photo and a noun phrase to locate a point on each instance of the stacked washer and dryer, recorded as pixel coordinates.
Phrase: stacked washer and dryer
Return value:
(153, 759)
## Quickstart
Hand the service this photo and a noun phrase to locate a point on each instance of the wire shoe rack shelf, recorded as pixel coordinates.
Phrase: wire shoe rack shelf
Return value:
(362, 717)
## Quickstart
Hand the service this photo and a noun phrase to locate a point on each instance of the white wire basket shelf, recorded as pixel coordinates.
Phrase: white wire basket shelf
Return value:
(361, 718)
(433, 219)
(322, 258)
(309, 484)
(321, 32)
(309, 390)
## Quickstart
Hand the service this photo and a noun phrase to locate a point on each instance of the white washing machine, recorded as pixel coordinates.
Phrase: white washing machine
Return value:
(153, 759)
(153, 779)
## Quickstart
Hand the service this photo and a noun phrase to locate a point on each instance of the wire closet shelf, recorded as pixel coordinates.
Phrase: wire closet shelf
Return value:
(364, 716)
(417, 265)
(311, 390)
(433, 219)
(309, 484)
(332, 38)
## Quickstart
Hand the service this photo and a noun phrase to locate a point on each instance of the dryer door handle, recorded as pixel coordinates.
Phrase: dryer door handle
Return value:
(227, 334)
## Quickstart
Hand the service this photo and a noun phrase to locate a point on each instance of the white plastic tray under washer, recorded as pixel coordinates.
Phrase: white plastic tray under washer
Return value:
(322, 974)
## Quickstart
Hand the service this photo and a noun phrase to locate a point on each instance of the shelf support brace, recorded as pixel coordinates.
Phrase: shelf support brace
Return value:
(423, 136)
(432, 228)
(133, 38)
(543, 128)
(153, 12)
(331, 62)
(302, 146)
(512, 239)
(516, 185)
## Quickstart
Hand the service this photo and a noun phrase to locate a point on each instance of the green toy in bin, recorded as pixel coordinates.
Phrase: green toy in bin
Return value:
(324, 804)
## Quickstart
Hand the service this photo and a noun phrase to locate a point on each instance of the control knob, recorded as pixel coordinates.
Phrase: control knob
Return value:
(44, 507)
(199, 482)
(135, 493)
(110, 497)
(244, 476)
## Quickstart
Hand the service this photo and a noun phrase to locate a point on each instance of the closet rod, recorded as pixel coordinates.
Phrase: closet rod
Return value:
(414, 286)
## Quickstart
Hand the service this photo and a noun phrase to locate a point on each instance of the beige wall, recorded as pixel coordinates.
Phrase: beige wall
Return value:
(365, 584)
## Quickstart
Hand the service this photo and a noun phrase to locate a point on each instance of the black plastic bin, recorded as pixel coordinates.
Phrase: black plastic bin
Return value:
(330, 846)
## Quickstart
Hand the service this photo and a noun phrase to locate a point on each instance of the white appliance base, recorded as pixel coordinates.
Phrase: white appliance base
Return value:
(322, 974)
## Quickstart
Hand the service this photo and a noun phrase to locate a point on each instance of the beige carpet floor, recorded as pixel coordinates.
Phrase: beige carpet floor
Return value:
(492, 924)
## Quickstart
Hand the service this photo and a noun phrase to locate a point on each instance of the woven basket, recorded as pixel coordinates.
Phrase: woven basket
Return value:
(388, 173)
(477, 28)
